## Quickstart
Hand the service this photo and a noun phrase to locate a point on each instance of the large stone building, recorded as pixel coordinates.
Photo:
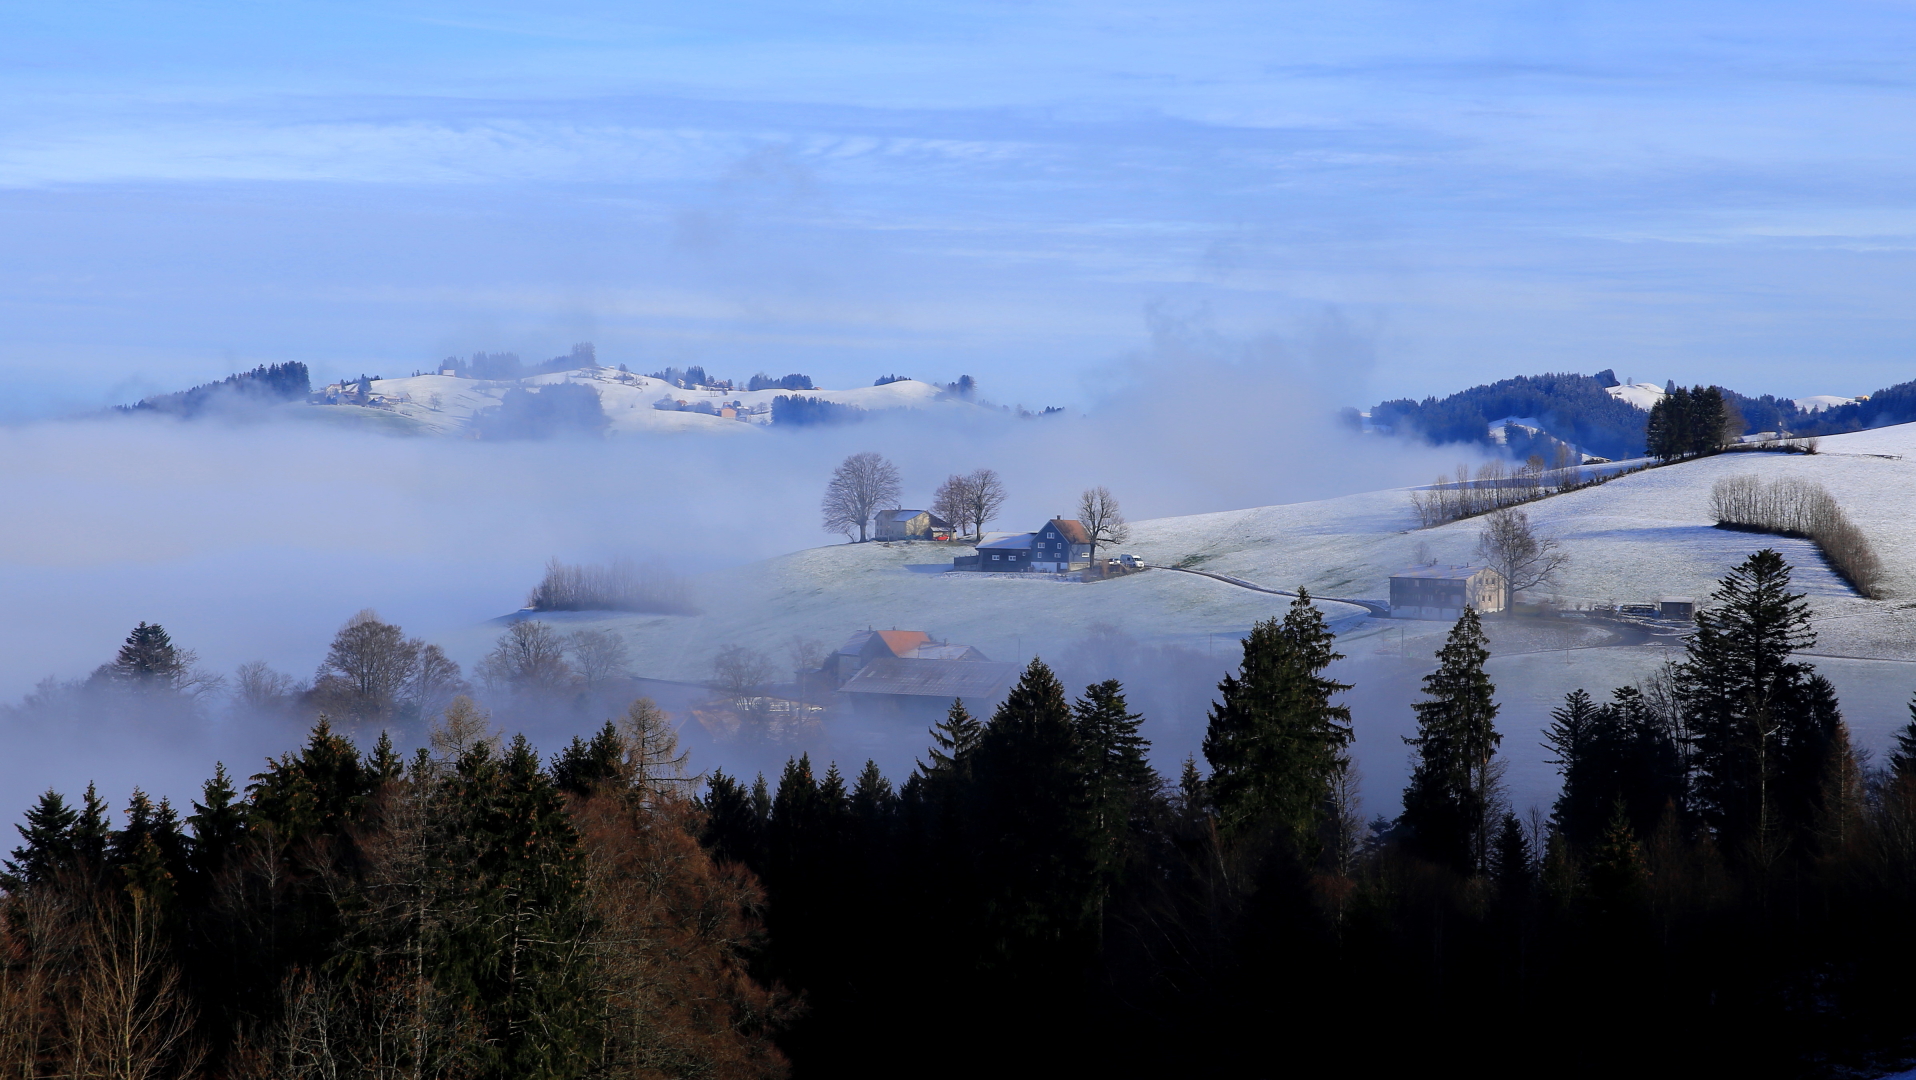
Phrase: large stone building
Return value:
(1436, 591)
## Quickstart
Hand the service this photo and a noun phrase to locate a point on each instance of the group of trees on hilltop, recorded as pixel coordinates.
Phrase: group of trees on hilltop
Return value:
(970, 500)
(264, 385)
(1721, 884)
(1689, 423)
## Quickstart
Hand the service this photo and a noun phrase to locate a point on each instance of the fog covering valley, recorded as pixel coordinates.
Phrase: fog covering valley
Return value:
(251, 539)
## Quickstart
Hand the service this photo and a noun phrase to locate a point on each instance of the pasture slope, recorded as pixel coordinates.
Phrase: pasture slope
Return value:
(1635, 538)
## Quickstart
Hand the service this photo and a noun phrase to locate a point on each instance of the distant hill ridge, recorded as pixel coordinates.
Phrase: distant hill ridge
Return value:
(1589, 412)
(266, 384)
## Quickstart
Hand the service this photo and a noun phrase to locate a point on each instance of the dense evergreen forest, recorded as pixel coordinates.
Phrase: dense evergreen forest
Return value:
(1579, 410)
(1723, 886)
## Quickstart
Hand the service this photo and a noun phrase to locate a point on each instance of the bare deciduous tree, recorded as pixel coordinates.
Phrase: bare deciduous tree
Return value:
(529, 657)
(257, 687)
(1508, 545)
(1103, 521)
(436, 681)
(862, 485)
(597, 655)
(464, 726)
(985, 495)
(952, 501)
(366, 669)
(741, 672)
(807, 653)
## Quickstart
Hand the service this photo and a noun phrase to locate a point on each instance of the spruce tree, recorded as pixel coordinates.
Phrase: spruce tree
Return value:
(1572, 736)
(732, 829)
(512, 903)
(384, 765)
(954, 740)
(584, 766)
(1741, 693)
(1449, 803)
(1515, 863)
(218, 825)
(1037, 853)
(1274, 736)
(49, 849)
(1119, 780)
(1902, 757)
(148, 658)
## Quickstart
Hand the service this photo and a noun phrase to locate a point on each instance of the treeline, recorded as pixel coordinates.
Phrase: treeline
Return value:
(468, 912)
(619, 585)
(1492, 486)
(544, 412)
(264, 385)
(762, 381)
(796, 410)
(1574, 408)
(1721, 887)
(1789, 506)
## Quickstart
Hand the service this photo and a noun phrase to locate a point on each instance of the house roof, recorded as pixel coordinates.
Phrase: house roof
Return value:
(1439, 572)
(1072, 530)
(899, 515)
(1010, 543)
(941, 651)
(931, 678)
(895, 642)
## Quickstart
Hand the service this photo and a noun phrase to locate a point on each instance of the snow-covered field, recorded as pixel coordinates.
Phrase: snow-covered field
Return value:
(1635, 539)
(442, 404)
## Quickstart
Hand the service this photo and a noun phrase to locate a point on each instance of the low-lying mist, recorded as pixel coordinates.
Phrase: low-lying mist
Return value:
(254, 540)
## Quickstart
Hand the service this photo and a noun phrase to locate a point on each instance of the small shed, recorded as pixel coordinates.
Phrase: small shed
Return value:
(1677, 609)
(912, 525)
(1437, 591)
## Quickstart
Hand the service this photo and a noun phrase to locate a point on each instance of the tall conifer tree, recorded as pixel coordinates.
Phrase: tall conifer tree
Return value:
(1275, 737)
(1450, 803)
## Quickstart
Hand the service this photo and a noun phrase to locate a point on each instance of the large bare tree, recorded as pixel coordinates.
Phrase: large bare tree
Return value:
(1508, 545)
(862, 485)
(1103, 522)
(367, 669)
(952, 501)
(985, 495)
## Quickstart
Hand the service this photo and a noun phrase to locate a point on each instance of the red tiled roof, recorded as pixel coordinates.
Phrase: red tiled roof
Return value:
(1072, 531)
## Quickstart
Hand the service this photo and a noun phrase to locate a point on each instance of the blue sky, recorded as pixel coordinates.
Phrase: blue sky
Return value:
(1409, 197)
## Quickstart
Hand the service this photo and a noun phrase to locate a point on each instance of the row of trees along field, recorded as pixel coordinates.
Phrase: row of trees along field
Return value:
(1721, 887)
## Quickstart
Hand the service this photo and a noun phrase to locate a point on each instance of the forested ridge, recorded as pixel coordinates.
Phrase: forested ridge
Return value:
(1722, 886)
(1578, 409)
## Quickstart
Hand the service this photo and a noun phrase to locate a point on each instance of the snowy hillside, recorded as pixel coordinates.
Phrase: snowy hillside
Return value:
(1634, 539)
(1643, 395)
(443, 404)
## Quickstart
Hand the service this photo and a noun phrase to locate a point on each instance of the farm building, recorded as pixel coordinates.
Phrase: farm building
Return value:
(912, 525)
(904, 674)
(1060, 546)
(1436, 591)
(1677, 608)
(1003, 554)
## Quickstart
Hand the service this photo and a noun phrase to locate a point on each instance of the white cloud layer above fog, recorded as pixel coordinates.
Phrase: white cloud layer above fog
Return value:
(1708, 191)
